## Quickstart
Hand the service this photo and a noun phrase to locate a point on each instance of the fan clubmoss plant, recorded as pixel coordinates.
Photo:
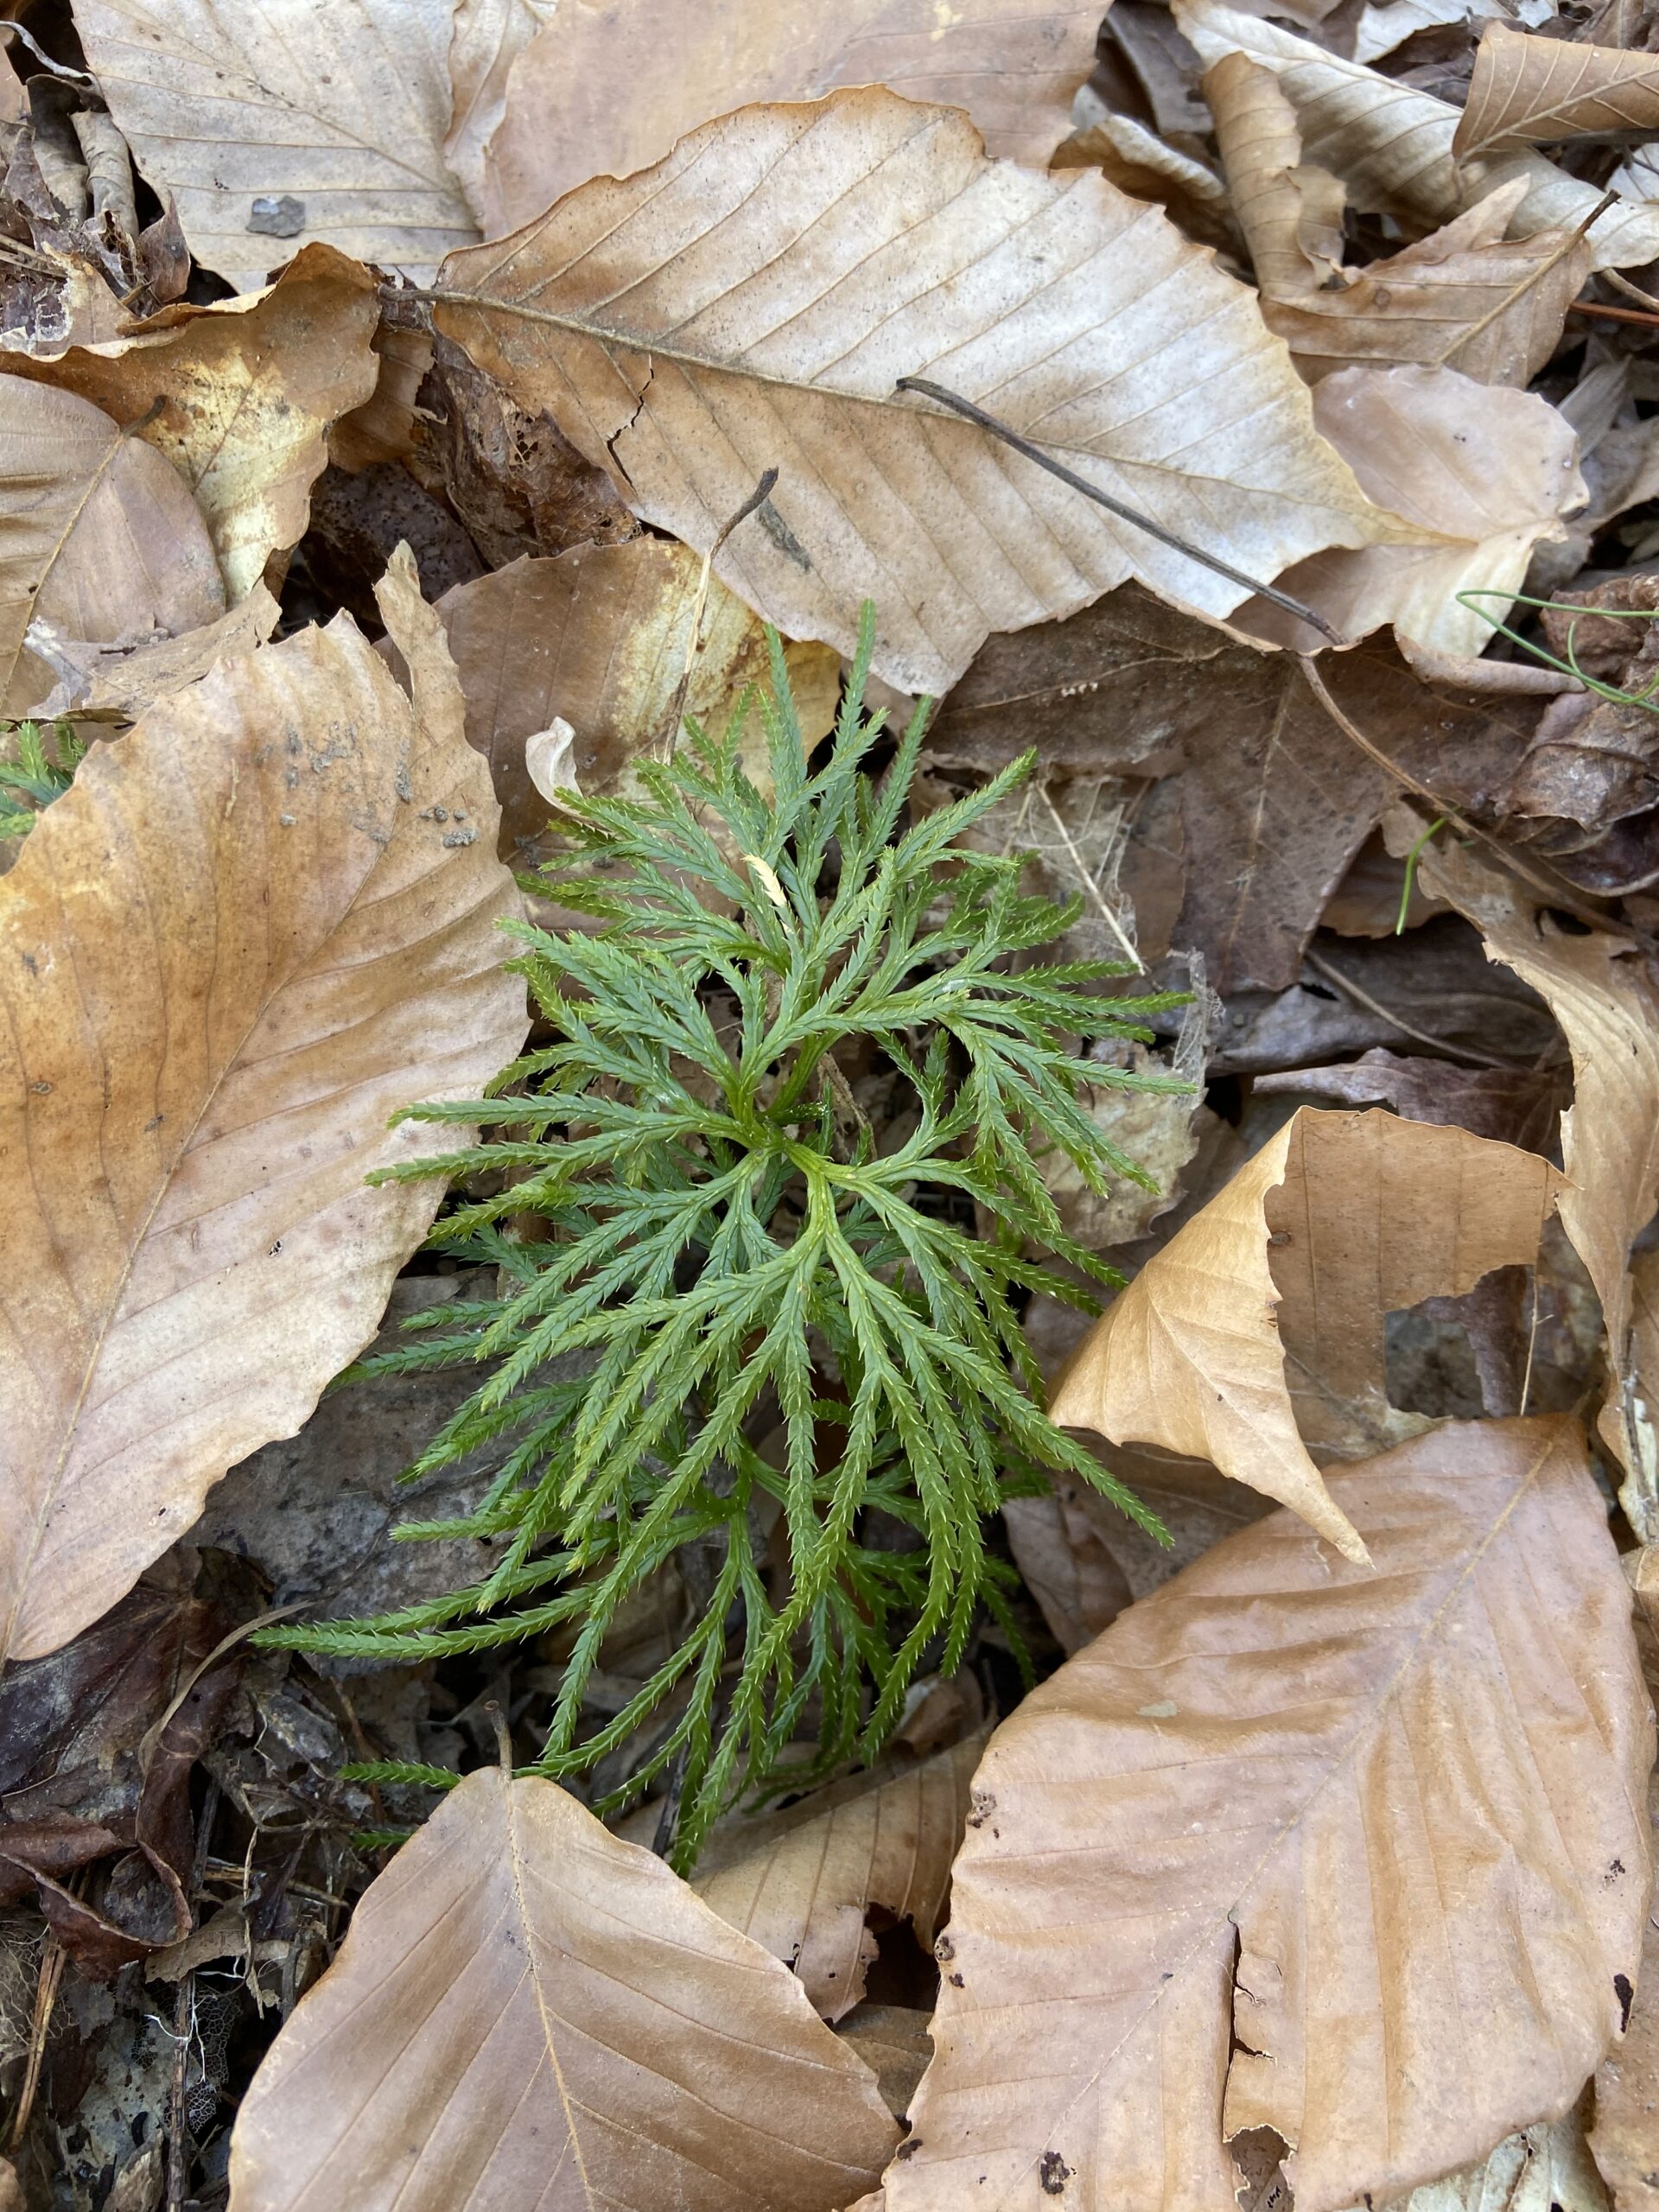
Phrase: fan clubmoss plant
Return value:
(31, 778)
(720, 1248)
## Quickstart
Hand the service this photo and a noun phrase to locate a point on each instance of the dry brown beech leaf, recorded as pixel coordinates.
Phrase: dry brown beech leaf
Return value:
(1288, 1848)
(1374, 1213)
(1391, 144)
(1607, 1004)
(1462, 298)
(323, 119)
(234, 949)
(1626, 2125)
(599, 639)
(1516, 1105)
(240, 398)
(1066, 1564)
(753, 299)
(609, 89)
(805, 1891)
(488, 37)
(1487, 472)
(100, 540)
(121, 682)
(384, 427)
(528, 2011)
(1291, 214)
(894, 2043)
(1138, 162)
(1526, 91)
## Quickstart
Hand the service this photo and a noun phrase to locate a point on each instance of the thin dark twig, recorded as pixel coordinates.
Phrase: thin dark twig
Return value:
(1615, 314)
(966, 407)
(1351, 990)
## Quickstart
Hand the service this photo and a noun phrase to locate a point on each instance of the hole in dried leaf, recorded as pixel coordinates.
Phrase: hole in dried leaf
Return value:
(1259, 2154)
(1625, 1993)
(1053, 2173)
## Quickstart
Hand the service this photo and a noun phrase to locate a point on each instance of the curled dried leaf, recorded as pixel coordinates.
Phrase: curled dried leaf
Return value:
(1199, 1356)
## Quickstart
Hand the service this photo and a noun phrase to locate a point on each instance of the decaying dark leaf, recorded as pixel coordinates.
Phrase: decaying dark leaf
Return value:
(96, 1742)
(1275, 800)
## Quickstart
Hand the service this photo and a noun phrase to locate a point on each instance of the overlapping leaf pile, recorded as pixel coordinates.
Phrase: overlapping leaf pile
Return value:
(411, 408)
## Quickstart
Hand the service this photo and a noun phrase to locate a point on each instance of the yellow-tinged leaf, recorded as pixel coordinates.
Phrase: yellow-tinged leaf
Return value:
(240, 398)
(237, 945)
(1359, 1858)
(752, 301)
(1363, 1213)
(527, 2010)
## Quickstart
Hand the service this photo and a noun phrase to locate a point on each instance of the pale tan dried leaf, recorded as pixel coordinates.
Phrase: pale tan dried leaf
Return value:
(240, 397)
(273, 126)
(1381, 29)
(894, 2043)
(97, 680)
(1391, 144)
(237, 944)
(100, 537)
(1291, 215)
(1607, 1006)
(1489, 471)
(753, 299)
(488, 37)
(609, 89)
(1138, 162)
(1526, 91)
(599, 639)
(1624, 2136)
(1543, 2168)
(1155, 1128)
(549, 759)
(1066, 1564)
(1374, 1213)
(383, 427)
(805, 1892)
(1461, 298)
(1287, 1848)
(526, 2010)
